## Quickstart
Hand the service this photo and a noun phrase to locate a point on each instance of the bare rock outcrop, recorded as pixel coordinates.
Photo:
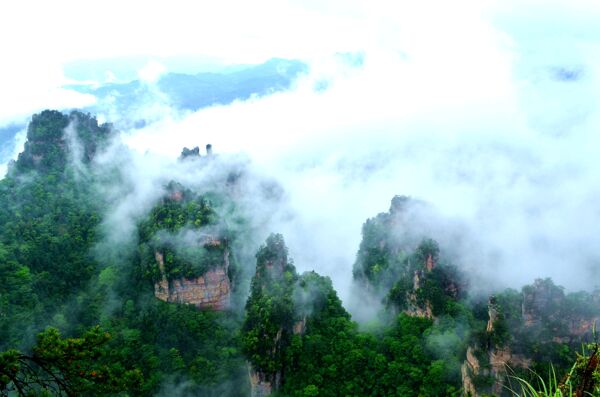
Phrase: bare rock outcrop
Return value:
(259, 385)
(212, 290)
(469, 370)
(493, 362)
(300, 326)
(492, 314)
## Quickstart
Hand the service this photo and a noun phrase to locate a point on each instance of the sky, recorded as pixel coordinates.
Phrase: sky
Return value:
(41, 38)
(486, 109)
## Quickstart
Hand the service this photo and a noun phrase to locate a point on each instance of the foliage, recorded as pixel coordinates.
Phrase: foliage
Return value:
(200, 348)
(49, 218)
(164, 231)
(47, 148)
(71, 366)
(266, 331)
(51, 212)
(329, 355)
(336, 359)
(295, 330)
(583, 379)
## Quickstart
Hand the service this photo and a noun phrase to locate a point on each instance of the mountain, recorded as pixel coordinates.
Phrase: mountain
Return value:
(192, 91)
(132, 104)
(511, 333)
(175, 293)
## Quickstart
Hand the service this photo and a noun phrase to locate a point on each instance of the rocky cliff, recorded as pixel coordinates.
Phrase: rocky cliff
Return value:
(54, 139)
(485, 367)
(208, 291)
(399, 262)
(270, 320)
(541, 324)
(259, 385)
(569, 317)
(487, 374)
(300, 326)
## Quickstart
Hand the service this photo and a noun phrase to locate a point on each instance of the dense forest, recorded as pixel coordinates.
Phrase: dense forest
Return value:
(190, 304)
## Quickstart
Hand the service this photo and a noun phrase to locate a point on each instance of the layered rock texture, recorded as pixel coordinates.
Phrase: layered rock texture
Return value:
(209, 291)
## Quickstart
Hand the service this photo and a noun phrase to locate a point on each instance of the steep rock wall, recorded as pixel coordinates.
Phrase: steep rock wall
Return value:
(300, 326)
(211, 290)
(414, 308)
(496, 361)
(469, 370)
(260, 387)
(262, 384)
(495, 370)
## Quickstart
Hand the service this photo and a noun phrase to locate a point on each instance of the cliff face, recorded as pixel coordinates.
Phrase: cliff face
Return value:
(484, 368)
(260, 386)
(480, 378)
(540, 314)
(469, 370)
(50, 140)
(270, 319)
(300, 326)
(429, 287)
(545, 303)
(209, 291)
(540, 300)
(484, 371)
(415, 306)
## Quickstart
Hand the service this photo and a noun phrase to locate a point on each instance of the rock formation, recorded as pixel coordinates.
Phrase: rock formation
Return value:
(272, 287)
(300, 326)
(542, 299)
(491, 374)
(259, 385)
(545, 315)
(208, 291)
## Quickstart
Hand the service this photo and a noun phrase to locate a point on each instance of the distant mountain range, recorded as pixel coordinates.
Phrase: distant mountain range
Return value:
(126, 104)
(192, 91)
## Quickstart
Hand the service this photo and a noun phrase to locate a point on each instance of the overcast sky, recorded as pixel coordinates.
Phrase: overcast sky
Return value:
(486, 109)
(39, 38)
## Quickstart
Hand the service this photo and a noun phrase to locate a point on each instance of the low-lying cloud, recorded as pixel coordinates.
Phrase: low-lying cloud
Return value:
(466, 113)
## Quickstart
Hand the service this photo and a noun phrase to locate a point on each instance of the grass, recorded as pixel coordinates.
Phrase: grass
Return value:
(583, 379)
(544, 388)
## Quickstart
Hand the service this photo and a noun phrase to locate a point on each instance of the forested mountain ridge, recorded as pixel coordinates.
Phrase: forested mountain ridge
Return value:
(535, 331)
(52, 276)
(184, 310)
(48, 219)
(49, 144)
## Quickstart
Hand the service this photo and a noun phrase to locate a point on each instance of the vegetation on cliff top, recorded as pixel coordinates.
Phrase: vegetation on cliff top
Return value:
(164, 231)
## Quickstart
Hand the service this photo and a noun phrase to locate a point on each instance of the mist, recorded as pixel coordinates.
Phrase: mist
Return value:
(493, 127)
(520, 182)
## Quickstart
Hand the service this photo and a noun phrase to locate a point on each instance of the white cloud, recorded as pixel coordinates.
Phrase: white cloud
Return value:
(457, 103)
(450, 107)
(151, 72)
